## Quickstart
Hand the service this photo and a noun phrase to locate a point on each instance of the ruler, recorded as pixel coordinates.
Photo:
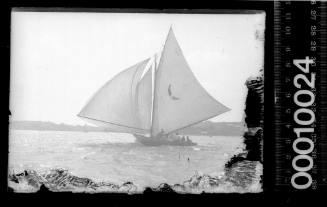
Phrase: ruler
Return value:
(300, 85)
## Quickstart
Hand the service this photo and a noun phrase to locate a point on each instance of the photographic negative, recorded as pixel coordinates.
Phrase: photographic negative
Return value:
(134, 102)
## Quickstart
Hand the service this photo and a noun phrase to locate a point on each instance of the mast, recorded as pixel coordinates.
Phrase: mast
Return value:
(154, 86)
(155, 81)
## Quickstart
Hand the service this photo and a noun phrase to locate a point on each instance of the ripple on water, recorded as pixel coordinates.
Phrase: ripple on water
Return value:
(101, 156)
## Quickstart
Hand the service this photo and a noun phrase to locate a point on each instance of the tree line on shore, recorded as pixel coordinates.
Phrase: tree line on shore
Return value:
(204, 128)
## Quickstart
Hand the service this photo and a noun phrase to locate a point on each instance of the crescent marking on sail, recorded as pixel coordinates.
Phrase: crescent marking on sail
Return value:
(171, 94)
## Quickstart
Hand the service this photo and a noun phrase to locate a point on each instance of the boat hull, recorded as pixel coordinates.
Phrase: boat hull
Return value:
(164, 140)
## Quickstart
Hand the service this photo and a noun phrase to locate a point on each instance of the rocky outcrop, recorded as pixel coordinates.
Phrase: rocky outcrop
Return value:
(62, 180)
(253, 137)
(254, 102)
(242, 177)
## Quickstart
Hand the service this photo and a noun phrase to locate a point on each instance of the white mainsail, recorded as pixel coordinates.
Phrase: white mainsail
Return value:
(167, 98)
(114, 105)
(179, 99)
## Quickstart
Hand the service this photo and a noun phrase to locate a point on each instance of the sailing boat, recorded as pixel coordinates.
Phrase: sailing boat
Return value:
(153, 99)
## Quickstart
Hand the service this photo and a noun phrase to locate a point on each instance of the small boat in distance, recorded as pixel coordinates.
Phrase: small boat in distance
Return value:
(153, 99)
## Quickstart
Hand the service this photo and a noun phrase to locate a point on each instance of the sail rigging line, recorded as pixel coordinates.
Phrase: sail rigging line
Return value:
(112, 123)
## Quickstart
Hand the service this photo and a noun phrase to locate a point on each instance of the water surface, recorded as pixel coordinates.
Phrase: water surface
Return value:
(117, 158)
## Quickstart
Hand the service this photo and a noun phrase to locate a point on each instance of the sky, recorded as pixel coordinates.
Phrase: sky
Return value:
(60, 59)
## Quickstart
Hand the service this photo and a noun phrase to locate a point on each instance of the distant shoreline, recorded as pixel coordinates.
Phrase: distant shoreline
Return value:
(206, 128)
